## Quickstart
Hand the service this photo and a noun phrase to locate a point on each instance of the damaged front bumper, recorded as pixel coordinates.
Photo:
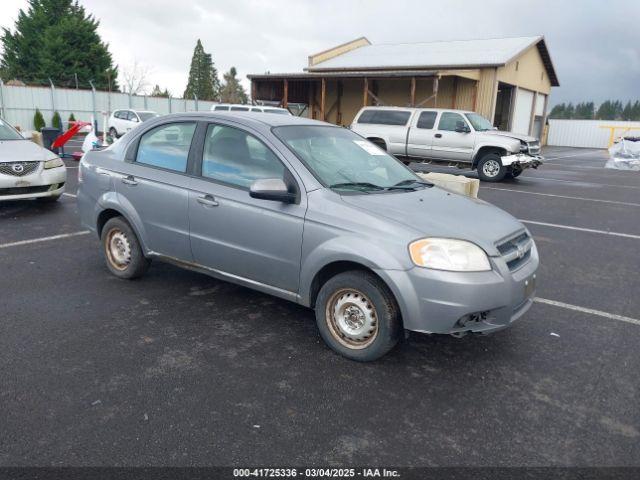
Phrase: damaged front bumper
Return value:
(522, 161)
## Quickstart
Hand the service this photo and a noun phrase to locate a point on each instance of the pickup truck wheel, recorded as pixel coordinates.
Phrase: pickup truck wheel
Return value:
(490, 168)
(113, 133)
(357, 316)
(122, 250)
(514, 172)
(379, 143)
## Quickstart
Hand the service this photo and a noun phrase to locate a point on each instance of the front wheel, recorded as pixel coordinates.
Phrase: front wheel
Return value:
(490, 168)
(122, 250)
(357, 316)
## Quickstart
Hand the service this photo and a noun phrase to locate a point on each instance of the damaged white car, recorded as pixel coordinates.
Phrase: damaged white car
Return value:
(28, 170)
(451, 137)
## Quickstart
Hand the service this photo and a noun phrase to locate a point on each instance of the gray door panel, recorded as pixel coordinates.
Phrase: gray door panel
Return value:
(255, 239)
(161, 199)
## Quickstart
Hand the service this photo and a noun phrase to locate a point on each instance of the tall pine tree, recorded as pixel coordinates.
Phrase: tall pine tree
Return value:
(203, 76)
(232, 91)
(57, 39)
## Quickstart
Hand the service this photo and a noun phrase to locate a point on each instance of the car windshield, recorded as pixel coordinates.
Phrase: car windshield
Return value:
(344, 161)
(8, 133)
(144, 116)
(479, 123)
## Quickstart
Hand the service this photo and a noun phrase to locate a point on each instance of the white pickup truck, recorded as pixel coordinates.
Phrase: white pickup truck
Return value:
(452, 137)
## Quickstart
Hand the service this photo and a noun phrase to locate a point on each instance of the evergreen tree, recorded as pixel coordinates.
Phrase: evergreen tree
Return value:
(558, 111)
(157, 92)
(38, 120)
(72, 118)
(55, 39)
(626, 111)
(56, 121)
(232, 91)
(569, 111)
(203, 76)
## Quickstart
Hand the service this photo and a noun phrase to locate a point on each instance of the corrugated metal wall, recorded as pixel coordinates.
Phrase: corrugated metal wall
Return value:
(18, 104)
(585, 133)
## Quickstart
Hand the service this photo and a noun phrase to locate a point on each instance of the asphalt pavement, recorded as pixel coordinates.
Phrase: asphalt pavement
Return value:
(177, 368)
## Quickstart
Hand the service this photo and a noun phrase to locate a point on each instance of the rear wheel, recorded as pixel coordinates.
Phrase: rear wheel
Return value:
(357, 316)
(113, 133)
(490, 168)
(122, 250)
(380, 143)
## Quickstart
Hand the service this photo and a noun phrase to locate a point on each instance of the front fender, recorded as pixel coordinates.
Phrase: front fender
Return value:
(349, 249)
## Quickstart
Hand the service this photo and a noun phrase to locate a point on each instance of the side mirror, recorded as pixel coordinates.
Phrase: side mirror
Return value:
(462, 127)
(271, 189)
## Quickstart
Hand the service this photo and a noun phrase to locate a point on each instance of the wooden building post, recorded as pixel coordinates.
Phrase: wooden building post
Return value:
(285, 95)
(323, 97)
(412, 95)
(253, 92)
(365, 93)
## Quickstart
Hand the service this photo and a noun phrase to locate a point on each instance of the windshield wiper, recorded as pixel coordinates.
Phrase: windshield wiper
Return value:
(357, 184)
(410, 184)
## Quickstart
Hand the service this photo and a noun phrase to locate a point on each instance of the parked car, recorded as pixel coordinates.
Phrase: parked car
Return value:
(28, 170)
(121, 121)
(454, 137)
(311, 213)
(233, 107)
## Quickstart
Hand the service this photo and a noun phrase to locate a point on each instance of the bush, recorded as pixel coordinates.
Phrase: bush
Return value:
(56, 121)
(72, 118)
(38, 121)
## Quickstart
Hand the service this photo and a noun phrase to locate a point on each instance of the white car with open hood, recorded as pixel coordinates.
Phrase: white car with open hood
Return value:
(28, 170)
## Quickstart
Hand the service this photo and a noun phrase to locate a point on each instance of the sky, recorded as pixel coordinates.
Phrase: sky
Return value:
(594, 44)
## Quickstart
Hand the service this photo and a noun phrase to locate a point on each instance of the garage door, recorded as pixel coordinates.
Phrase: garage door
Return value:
(522, 112)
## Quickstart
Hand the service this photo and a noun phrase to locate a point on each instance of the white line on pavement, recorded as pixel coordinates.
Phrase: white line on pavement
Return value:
(43, 239)
(591, 311)
(583, 183)
(629, 204)
(580, 229)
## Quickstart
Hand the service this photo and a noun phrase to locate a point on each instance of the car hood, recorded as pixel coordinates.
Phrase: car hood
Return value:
(434, 212)
(23, 151)
(517, 136)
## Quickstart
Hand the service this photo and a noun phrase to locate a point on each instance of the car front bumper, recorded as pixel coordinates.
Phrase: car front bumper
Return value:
(522, 160)
(40, 183)
(433, 301)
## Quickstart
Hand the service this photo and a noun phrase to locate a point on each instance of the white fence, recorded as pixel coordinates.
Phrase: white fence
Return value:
(587, 133)
(18, 104)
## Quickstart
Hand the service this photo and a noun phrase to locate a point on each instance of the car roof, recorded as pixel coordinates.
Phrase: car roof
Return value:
(249, 118)
(374, 107)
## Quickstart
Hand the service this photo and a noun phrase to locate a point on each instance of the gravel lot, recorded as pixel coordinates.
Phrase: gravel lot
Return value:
(181, 369)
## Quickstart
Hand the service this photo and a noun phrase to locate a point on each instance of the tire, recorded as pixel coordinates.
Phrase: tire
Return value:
(490, 168)
(113, 133)
(511, 173)
(374, 326)
(48, 199)
(122, 250)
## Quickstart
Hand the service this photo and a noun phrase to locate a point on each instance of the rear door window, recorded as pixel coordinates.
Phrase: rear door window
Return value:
(427, 120)
(239, 109)
(384, 117)
(167, 146)
(222, 108)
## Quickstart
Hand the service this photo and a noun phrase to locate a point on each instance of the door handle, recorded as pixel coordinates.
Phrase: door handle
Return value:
(438, 135)
(129, 180)
(208, 201)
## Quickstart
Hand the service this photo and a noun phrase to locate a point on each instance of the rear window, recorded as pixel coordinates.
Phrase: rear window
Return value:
(226, 109)
(239, 109)
(384, 117)
(427, 120)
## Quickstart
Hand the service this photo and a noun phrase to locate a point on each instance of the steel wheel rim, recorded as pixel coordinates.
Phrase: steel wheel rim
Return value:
(491, 168)
(118, 249)
(352, 318)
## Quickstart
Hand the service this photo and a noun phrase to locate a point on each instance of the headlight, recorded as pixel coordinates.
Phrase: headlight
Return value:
(449, 254)
(53, 163)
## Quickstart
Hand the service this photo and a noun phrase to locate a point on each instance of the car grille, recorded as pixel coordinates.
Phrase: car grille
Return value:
(534, 147)
(24, 190)
(18, 169)
(516, 251)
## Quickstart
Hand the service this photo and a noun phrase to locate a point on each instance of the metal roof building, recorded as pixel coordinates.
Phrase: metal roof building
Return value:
(508, 80)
